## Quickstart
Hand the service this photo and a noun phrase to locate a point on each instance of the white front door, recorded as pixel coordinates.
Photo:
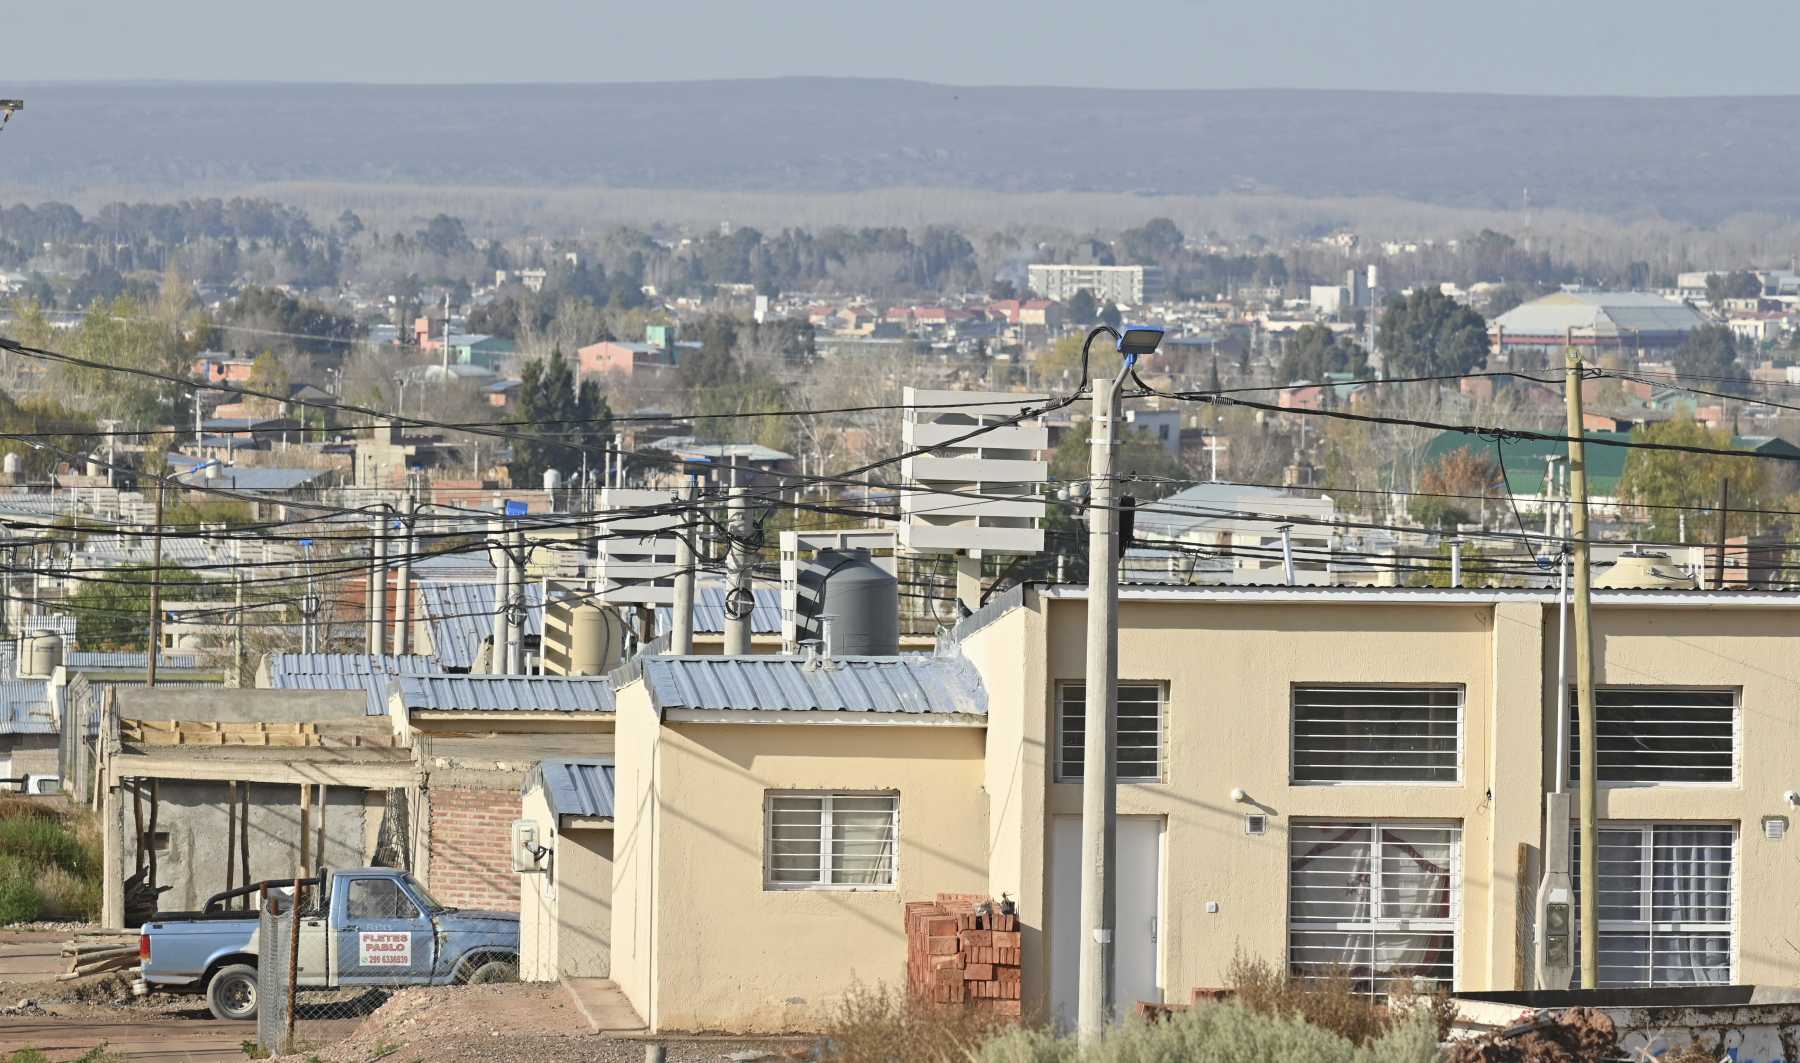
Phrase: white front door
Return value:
(1137, 914)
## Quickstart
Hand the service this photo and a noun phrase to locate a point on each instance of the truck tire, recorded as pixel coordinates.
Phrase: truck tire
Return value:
(493, 971)
(231, 995)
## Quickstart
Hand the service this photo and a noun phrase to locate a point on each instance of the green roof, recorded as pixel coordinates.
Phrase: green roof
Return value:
(1524, 459)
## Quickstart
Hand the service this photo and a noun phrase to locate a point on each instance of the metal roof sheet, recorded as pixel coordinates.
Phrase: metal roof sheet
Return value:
(709, 611)
(1599, 314)
(905, 684)
(505, 693)
(126, 659)
(461, 615)
(349, 664)
(25, 707)
(62, 625)
(575, 787)
(374, 684)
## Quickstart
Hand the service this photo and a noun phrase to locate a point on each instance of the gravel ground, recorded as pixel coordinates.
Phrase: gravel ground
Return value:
(508, 1023)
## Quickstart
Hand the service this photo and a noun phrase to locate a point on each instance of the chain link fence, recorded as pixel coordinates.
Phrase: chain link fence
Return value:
(320, 973)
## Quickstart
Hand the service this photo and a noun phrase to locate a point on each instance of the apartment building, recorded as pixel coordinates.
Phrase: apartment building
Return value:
(1131, 285)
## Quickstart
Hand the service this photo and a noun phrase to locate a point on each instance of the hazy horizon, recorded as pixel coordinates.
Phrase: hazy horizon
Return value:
(1598, 48)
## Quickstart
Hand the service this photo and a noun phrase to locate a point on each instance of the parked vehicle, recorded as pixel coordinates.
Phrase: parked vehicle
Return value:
(379, 927)
(32, 785)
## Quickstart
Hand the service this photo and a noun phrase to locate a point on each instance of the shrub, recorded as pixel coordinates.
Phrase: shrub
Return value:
(19, 899)
(1216, 1033)
(878, 1024)
(65, 895)
(1330, 1001)
(42, 843)
(50, 861)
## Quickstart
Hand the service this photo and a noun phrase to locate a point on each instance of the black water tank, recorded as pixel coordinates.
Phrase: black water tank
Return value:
(861, 601)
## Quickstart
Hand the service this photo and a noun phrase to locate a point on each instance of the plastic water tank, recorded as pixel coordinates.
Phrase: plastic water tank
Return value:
(45, 652)
(552, 480)
(94, 466)
(596, 642)
(847, 594)
(11, 464)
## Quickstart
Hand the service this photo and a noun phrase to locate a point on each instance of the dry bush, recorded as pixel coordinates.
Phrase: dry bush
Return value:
(1215, 1033)
(1578, 1035)
(1330, 1000)
(65, 895)
(880, 1024)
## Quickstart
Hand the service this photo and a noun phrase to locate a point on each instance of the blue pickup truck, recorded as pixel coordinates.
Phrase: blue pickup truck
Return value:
(379, 928)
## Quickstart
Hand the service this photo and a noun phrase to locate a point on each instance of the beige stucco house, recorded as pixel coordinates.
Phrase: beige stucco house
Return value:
(1317, 776)
(565, 899)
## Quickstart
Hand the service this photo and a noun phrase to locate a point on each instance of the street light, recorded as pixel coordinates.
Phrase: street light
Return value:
(1099, 774)
(7, 107)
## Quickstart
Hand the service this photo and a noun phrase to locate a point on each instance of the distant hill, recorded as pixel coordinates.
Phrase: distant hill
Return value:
(1693, 159)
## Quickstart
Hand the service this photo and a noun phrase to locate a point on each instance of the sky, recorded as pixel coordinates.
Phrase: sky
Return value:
(1579, 47)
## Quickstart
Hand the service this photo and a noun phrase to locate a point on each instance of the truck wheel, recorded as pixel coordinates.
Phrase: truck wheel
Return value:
(493, 971)
(231, 995)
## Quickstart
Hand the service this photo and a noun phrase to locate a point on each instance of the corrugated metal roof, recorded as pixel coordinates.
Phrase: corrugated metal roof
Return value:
(505, 693)
(375, 684)
(25, 707)
(349, 664)
(462, 614)
(1608, 314)
(575, 787)
(62, 625)
(709, 611)
(905, 684)
(126, 659)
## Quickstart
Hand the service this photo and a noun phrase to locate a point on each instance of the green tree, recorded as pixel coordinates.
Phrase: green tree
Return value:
(1427, 333)
(1707, 359)
(119, 335)
(268, 374)
(1314, 351)
(1082, 308)
(1666, 482)
(112, 609)
(1738, 284)
(567, 418)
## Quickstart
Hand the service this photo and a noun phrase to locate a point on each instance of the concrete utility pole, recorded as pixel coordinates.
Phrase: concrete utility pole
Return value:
(1724, 531)
(515, 604)
(502, 590)
(237, 635)
(682, 641)
(403, 583)
(377, 588)
(1584, 678)
(1099, 799)
(155, 588)
(737, 569)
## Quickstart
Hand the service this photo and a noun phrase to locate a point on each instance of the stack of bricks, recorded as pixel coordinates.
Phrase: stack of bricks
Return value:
(961, 949)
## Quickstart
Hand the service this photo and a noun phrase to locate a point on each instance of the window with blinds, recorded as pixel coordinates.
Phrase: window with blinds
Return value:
(1377, 900)
(831, 840)
(1139, 752)
(1659, 735)
(1665, 903)
(1370, 734)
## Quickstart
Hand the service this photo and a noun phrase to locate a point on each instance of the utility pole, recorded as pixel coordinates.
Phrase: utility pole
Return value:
(682, 640)
(403, 582)
(515, 603)
(737, 570)
(237, 635)
(1724, 515)
(1584, 677)
(1099, 799)
(155, 588)
(378, 585)
(502, 589)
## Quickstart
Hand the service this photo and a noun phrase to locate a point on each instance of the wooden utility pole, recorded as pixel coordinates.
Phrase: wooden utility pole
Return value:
(1724, 516)
(1584, 677)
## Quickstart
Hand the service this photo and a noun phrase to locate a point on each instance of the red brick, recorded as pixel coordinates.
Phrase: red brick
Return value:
(1006, 939)
(940, 946)
(978, 972)
(1008, 974)
(971, 938)
(938, 926)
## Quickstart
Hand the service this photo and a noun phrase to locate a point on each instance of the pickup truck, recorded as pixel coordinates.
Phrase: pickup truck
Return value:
(379, 928)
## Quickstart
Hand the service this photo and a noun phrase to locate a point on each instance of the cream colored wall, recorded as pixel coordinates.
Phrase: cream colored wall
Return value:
(583, 870)
(635, 845)
(1755, 651)
(537, 902)
(730, 954)
(1229, 667)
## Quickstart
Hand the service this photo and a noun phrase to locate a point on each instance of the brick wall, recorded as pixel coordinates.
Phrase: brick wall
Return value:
(471, 848)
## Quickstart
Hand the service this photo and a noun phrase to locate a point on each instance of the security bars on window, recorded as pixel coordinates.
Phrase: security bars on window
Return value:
(1377, 901)
(831, 840)
(1668, 735)
(1665, 903)
(1368, 734)
(1140, 731)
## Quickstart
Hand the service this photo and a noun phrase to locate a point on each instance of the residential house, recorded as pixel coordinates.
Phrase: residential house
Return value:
(565, 906)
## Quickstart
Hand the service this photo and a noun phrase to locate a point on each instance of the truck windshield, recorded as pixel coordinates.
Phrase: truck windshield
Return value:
(418, 890)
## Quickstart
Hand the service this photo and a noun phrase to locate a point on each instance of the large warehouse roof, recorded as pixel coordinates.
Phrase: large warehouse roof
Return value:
(1605, 315)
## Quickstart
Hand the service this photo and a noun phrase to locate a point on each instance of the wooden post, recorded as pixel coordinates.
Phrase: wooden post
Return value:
(301, 865)
(293, 954)
(150, 830)
(244, 837)
(137, 822)
(319, 841)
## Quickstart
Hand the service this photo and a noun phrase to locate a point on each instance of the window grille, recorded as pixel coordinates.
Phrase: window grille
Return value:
(1139, 753)
(1665, 903)
(1369, 734)
(1667, 735)
(1376, 901)
(831, 840)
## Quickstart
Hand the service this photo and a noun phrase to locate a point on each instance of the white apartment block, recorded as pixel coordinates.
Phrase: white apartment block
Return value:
(1131, 285)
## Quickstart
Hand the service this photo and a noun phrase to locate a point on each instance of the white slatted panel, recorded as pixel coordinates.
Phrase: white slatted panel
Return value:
(1139, 752)
(1377, 901)
(1665, 903)
(1376, 734)
(1668, 735)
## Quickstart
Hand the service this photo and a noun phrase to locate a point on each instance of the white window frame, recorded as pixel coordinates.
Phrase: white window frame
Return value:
(1462, 708)
(826, 797)
(1648, 926)
(1737, 736)
(1162, 731)
(1451, 924)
